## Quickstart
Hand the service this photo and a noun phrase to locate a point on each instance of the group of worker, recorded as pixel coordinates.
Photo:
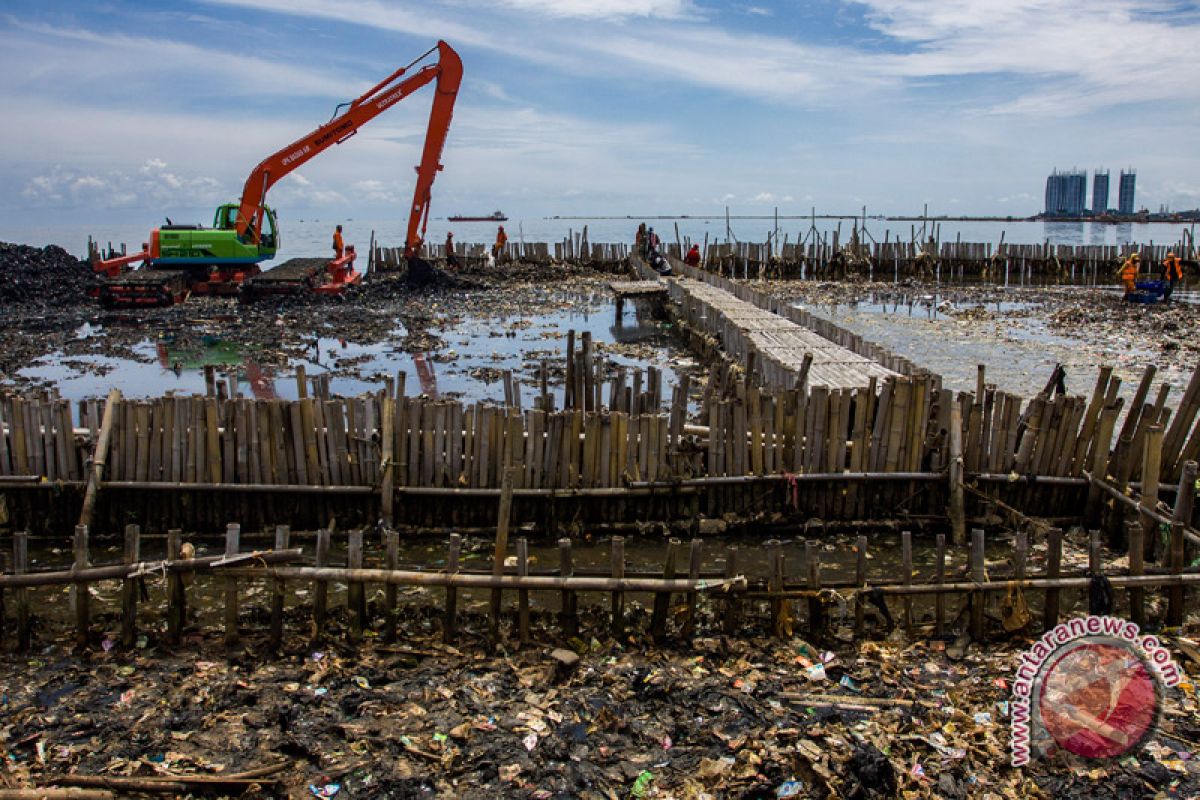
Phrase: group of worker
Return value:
(1172, 273)
(648, 243)
(497, 248)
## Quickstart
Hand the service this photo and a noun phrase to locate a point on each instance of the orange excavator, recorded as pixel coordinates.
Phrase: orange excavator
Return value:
(184, 259)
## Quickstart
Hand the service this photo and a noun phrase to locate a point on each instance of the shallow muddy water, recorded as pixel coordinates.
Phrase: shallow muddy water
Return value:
(465, 357)
(951, 330)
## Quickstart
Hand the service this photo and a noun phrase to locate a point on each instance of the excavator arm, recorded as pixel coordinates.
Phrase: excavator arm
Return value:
(385, 94)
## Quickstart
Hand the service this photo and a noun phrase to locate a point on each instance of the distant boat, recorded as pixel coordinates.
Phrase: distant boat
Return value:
(495, 216)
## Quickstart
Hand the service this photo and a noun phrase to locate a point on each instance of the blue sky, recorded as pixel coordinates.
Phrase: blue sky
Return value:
(118, 110)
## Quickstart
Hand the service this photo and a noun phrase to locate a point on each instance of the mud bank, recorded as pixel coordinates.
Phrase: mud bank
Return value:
(423, 719)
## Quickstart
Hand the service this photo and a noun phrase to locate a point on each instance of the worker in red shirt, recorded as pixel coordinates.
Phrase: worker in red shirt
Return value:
(1172, 274)
(692, 259)
(339, 247)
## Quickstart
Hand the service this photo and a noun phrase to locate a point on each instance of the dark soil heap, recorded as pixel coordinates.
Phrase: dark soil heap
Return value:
(45, 278)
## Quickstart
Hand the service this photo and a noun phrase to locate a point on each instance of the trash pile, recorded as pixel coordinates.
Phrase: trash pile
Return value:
(751, 717)
(38, 279)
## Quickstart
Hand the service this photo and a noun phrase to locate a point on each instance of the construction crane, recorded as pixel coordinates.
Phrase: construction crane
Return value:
(188, 259)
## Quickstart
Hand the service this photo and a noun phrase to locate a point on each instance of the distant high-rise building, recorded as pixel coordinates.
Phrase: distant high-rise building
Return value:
(1125, 191)
(1066, 193)
(1100, 191)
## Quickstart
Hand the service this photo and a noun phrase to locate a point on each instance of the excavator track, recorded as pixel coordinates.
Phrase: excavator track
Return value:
(291, 277)
(146, 287)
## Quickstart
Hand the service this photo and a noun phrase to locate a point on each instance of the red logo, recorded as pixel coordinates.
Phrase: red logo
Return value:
(1099, 697)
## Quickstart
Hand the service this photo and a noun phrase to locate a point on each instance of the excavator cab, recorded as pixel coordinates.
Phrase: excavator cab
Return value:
(225, 219)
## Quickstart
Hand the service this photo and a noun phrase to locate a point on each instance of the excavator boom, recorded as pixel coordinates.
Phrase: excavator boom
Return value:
(448, 74)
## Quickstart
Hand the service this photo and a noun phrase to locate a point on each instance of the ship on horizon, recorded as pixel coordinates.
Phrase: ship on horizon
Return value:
(495, 216)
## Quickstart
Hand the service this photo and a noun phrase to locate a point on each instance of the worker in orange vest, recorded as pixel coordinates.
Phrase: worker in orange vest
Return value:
(1129, 272)
(692, 259)
(501, 241)
(1172, 274)
(339, 247)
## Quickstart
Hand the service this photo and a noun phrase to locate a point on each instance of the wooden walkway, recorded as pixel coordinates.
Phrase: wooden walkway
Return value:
(761, 340)
(779, 346)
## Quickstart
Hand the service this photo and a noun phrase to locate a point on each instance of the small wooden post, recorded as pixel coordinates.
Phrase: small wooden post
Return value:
(21, 596)
(860, 580)
(129, 587)
(695, 558)
(391, 540)
(732, 604)
(1151, 463)
(662, 600)
(320, 586)
(618, 598)
(1020, 555)
(523, 594)
(283, 536)
(81, 590)
(1137, 566)
(1184, 500)
(450, 621)
(1095, 554)
(176, 596)
(356, 590)
(501, 551)
(816, 615)
(1053, 571)
(569, 615)
(978, 576)
(779, 606)
(957, 510)
(939, 599)
(233, 544)
(906, 564)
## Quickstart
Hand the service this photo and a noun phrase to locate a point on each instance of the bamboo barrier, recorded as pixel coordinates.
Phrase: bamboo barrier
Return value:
(753, 602)
(889, 440)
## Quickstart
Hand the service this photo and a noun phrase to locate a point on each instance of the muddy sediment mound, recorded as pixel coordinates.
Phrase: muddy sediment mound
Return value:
(42, 278)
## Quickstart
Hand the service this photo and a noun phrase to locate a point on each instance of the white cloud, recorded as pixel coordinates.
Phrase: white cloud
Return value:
(57, 61)
(67, 187)
(602, 8)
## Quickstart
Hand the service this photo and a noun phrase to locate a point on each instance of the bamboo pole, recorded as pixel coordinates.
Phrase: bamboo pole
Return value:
(356, 592)
(450, 619)
(96, 473)
(1182, 514)
(81, 592)
(957, 510)
(523, 594)
(569, 601)
(391, 560)
(279, 589)
(124, 571)
(321, 589)
(662, 600)
(233, 533)
(617, 562)
(20, 541)
(129, 588)
(501, 549)
(978, 576)
(1053, 570)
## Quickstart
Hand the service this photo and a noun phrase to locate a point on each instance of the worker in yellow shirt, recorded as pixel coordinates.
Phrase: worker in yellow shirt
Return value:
(1129, 273)
(1172, 274)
